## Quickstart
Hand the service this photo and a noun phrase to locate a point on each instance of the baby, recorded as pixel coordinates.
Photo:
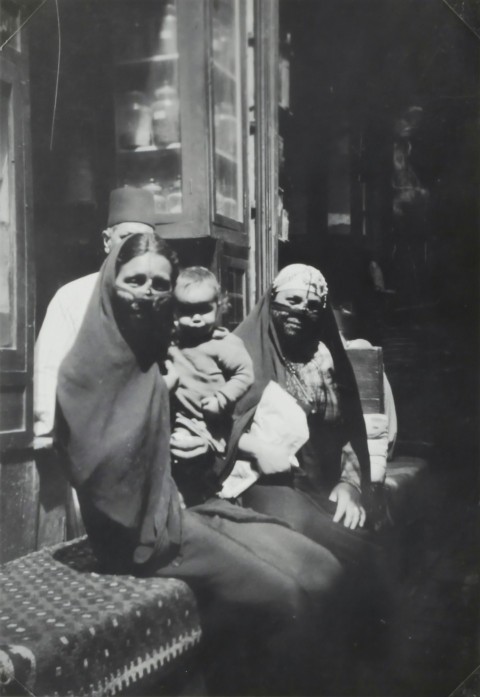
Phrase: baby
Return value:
(213, 366)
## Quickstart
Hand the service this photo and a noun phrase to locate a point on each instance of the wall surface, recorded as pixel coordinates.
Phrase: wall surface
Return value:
(19, 489)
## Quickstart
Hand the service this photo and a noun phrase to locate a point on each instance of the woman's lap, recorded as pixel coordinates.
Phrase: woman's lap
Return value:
(368, 599)
(310, 513)
(245, 563)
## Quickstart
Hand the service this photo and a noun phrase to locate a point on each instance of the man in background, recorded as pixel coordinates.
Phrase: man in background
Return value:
(131, 211)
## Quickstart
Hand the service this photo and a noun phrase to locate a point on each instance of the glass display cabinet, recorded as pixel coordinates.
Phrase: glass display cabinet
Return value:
(179, 115)
(16, 285)
(147, 103)
(228, 132)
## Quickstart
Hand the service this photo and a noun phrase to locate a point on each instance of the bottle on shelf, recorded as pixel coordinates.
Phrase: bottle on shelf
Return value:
(167, 43)
(174, 197)
(133, 120)
(220, 202)
(229, 49)
(226, 203)
(216, 39)
(160, 201)
(166, 116)
(226, 128)
(220, 43)
(230, 202)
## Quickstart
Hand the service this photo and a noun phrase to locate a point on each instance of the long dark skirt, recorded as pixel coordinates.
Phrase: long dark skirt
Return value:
(269, 599)
(368, 604)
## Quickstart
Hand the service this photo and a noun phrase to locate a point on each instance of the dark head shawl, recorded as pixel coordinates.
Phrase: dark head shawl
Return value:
(114, 424)
(258, 333)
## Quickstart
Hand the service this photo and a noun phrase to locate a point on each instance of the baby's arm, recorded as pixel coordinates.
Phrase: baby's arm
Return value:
(234, 361)
(213, 405)
(170, 375)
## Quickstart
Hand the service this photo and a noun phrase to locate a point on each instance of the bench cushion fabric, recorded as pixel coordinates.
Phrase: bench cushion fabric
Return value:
(67, 630)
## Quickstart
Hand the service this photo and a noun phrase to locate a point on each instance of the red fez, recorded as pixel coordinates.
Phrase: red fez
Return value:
(131, 205)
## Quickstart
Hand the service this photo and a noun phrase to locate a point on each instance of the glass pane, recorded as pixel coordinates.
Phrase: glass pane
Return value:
(227, 109)
(7, 221)
(236, 290)
(147, 106)
(9, 24)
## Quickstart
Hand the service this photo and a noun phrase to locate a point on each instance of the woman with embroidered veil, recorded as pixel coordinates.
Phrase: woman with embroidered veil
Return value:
(267, 595)
(293, 340)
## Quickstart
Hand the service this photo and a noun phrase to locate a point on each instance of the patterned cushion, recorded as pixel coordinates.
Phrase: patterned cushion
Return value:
(67, 630)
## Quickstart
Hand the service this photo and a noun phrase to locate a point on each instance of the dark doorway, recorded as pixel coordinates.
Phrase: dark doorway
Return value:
(382, 175)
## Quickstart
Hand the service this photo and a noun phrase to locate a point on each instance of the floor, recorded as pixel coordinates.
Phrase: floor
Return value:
(436, 631)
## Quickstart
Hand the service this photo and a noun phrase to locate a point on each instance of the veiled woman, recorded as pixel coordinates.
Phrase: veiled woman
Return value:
(266, 593)
(292, 338)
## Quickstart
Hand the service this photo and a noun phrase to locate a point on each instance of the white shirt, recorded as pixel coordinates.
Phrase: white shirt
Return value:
(59, 330)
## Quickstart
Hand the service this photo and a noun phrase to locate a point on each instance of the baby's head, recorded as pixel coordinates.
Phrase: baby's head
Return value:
(197, 296)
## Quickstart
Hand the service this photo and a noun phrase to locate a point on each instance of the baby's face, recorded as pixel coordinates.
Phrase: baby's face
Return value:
(196, 309)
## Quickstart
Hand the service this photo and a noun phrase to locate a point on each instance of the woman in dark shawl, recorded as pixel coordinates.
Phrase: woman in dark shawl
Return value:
(277, 589)
(292, 338)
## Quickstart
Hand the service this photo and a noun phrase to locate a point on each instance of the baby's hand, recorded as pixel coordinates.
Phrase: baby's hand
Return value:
(211, 405)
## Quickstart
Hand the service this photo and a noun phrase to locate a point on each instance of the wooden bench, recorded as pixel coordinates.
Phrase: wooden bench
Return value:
(407, 474)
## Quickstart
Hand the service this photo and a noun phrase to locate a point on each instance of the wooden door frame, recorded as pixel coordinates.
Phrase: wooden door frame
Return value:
(16, 363)
(266, 142)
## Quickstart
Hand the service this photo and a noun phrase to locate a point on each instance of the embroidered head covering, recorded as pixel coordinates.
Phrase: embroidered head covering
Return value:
(301, 277)
(114, 423)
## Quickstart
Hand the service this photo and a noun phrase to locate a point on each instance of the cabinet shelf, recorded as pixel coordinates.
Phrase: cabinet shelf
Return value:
(172, 148)
(226, 156)
(209, 121)
(224, 71)
(160, 58)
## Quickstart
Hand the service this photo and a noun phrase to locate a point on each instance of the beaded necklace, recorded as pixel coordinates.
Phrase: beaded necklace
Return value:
(312, 383)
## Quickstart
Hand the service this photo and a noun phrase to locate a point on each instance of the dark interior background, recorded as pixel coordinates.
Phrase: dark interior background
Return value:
(359, 65)
(356, 68)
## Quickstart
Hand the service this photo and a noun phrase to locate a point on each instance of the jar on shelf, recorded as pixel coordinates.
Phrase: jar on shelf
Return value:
(166, 116)
(160, 201)
(229, 47)
(174, 197)
(230, 202)
(226, 128)
(217, 39)
(220, 201)
(133, 120)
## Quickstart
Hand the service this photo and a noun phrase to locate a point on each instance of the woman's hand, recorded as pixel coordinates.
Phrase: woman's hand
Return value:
(186, 447)
(270, 459)
(347, 498)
